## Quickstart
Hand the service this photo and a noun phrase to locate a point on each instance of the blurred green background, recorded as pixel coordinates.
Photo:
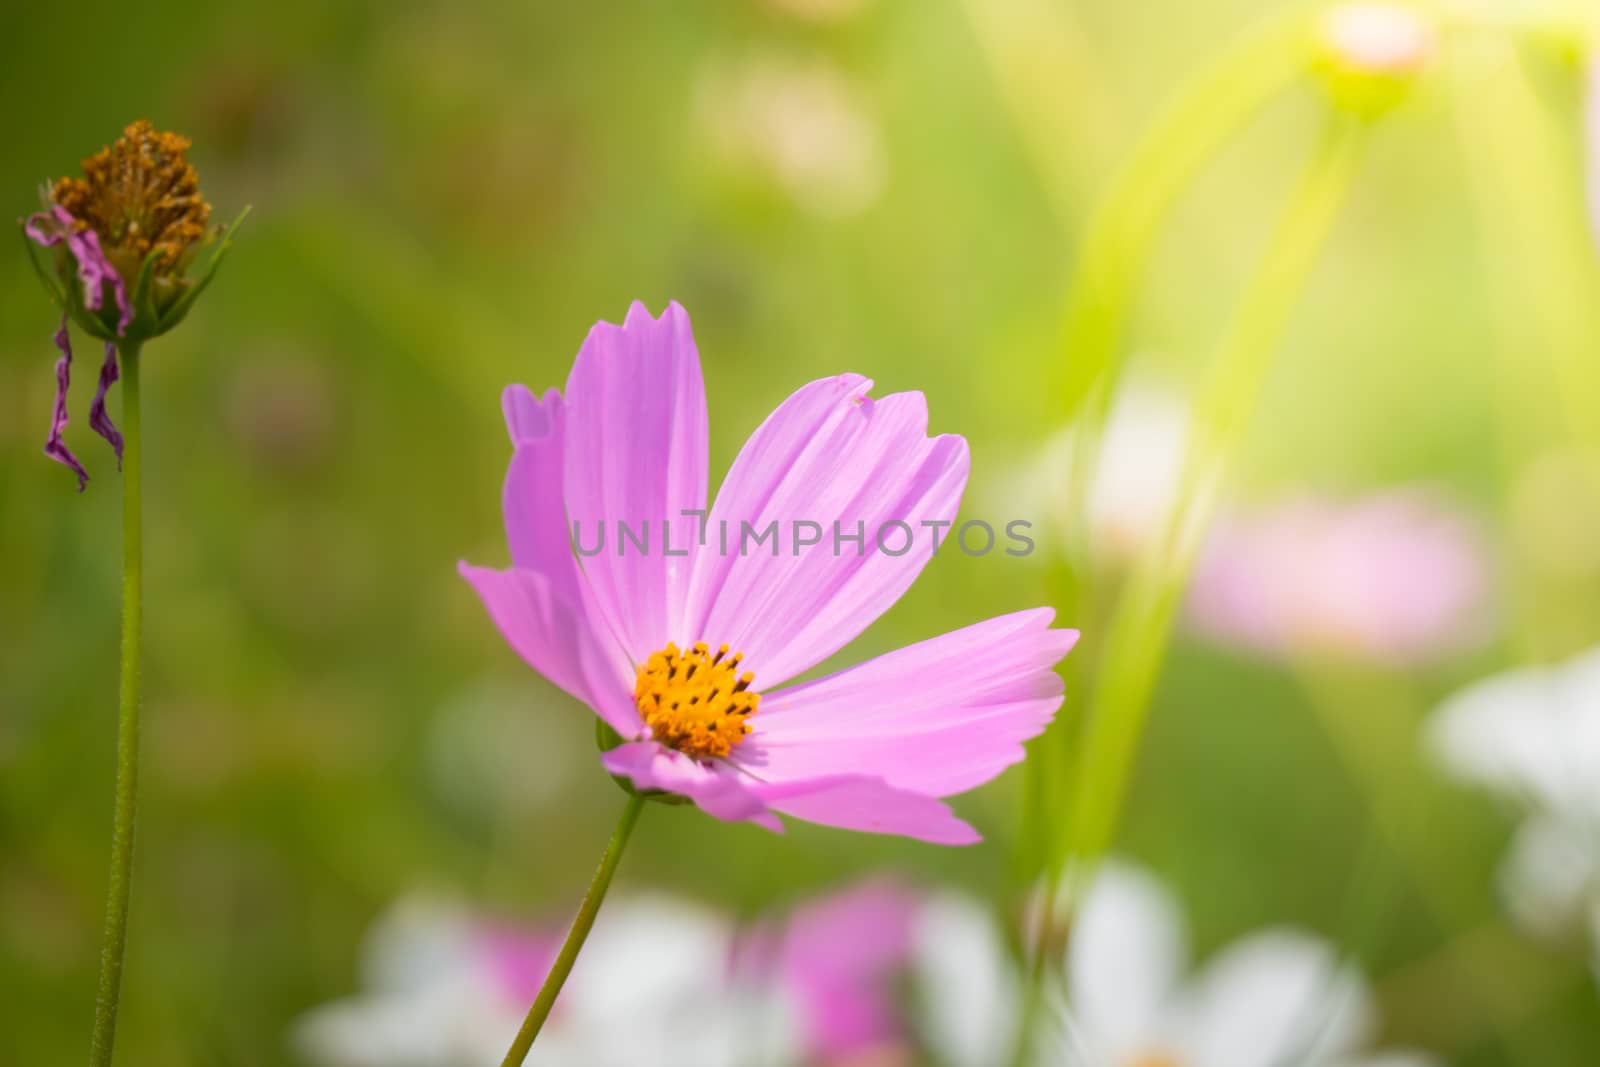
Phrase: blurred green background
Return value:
(447, 195)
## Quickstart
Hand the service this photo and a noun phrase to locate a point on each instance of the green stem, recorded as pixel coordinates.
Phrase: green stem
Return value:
(114, 942)
(575, 936)
(1139, 630)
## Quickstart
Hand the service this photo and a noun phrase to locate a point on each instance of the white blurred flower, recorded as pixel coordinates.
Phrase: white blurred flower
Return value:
(1272, 998)
(654, 987)
(1534, 734)
(433, 995)
(965, 984)
(1133, 481)
(800, 125)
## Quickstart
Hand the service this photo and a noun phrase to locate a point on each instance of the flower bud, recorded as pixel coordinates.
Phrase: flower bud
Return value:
(1369, 53)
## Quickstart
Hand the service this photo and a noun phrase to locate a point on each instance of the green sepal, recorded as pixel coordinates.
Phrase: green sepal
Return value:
(180, 307)
(143, 306)
(605, 738)
(149, 318)
(51, 284)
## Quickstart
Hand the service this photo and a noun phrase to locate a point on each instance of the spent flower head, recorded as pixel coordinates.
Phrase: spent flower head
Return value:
(124, 237)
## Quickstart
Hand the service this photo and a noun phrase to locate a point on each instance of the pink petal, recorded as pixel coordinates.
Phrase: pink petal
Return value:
(54, 446)
(535, 513)
(871, 805)
(938, 717)
(828, 454)
(529, 417)
(557, 640)
(99, 418)
(95, 272)
(715, 787)
(636, 434)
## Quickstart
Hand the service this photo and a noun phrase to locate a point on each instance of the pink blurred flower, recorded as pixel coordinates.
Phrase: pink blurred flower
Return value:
(882, 975)
(839, 958)
(818, 10)
(1395, 578)
(667, 646)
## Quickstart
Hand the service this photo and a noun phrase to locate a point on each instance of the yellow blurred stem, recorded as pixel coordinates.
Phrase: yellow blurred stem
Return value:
(1121, 234)
(1048, 76)
(1138, 637)
(1202, 119)
(1524, 170)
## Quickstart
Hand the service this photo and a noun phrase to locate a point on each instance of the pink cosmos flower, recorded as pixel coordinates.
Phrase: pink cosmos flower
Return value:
(681, 647)
(1396, 578)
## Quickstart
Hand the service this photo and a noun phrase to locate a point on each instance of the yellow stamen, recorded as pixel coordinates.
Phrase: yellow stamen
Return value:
(140, 195)
(696, 701)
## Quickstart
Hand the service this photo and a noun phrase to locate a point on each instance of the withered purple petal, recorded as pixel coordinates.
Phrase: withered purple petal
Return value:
(94, 269)
(54, 447)
(98, 418)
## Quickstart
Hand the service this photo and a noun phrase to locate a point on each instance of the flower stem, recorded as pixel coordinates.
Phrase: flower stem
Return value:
(576, 936)
(1137, 641)
(115, 939)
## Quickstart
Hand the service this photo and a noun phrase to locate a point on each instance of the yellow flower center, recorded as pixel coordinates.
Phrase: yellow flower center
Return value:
(695, 700)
